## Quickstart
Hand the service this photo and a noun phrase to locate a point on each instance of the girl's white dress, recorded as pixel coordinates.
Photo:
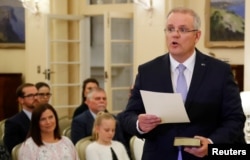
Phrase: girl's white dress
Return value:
(96, 151)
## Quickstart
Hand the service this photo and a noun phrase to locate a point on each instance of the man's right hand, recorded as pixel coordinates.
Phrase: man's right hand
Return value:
(147, 122)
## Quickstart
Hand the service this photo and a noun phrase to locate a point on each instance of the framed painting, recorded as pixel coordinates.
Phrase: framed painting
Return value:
(12, 30)
(225, 23)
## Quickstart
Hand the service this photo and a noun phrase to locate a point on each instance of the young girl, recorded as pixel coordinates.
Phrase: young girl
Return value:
(104, 147)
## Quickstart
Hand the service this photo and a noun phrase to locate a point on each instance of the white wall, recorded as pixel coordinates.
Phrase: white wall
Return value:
(149, 36)
(35, 47)
(12, 61)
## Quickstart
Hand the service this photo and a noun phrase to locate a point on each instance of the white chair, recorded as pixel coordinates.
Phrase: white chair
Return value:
(64, 122)
(136, 147)
(14, 152)
(67, 132)
(2, 123)
(81, 146)
(245, 99)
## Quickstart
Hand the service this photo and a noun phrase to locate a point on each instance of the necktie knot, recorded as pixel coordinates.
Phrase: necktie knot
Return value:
(181, 68)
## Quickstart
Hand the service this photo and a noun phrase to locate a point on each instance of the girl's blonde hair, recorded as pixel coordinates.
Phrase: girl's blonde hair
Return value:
(99, 117)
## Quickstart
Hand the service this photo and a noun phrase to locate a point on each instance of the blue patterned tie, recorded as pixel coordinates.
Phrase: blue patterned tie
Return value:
(179, 153)
(181, 86)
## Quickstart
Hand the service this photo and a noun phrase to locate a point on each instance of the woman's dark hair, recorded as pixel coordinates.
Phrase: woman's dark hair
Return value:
(41, 84)
(85, 82)
(35, 131)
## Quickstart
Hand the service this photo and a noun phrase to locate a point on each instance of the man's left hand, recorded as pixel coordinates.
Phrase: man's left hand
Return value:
(201, 151)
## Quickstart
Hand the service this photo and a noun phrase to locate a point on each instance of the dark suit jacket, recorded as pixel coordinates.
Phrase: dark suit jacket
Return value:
(83, 107)
(16, 130)
(82, 126)
(213, 105)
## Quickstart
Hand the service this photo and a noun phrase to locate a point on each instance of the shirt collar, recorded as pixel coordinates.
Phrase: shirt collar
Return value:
(28, 113)
(92, 113)
(189, 63)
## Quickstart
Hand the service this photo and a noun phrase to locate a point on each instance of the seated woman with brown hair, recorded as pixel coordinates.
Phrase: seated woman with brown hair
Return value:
(44, 141)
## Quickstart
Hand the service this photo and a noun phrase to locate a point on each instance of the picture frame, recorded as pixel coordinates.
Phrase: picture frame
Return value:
(12, 24)
(225, 23)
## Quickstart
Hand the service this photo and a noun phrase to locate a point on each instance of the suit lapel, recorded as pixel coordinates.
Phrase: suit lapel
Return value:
(25, 121)
(166, 75)
(200, 69)
(90, 119)
(89, 116)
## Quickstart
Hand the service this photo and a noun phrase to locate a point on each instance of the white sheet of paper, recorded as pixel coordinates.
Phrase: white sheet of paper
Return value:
(168, 106)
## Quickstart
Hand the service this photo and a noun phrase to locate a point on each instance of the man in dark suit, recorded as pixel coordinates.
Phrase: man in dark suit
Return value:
(82, 124)
(213, 102)
(16, 127)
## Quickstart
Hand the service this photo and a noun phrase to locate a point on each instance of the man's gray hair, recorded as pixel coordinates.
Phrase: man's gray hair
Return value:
(94, 90)
(197, 20)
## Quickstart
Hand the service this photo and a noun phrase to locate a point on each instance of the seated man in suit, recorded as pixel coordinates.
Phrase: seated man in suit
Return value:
(16, 127)
(83, 123)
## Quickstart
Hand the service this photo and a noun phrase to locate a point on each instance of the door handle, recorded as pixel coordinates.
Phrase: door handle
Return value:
(47, 73)
(106, 75)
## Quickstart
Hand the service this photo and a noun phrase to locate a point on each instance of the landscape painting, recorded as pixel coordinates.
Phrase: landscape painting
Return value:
(12, 29)
(225, 23)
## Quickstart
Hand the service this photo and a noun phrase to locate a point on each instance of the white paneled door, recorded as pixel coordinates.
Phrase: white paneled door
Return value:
(111, 55)
(64, 70)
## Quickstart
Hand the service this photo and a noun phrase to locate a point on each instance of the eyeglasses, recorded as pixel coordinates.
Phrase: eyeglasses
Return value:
(30, 96)
(181, 30)
(44, 94)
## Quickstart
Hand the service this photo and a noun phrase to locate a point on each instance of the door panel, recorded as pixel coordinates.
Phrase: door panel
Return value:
(120, 57)
(64, 62)
(111, 52)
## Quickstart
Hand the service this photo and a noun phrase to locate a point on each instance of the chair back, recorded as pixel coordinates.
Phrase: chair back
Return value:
(2, 123)
(245, 100)
(136, 147)
(81, 146)
(64, 122)
(14, 152)
(67, 132)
